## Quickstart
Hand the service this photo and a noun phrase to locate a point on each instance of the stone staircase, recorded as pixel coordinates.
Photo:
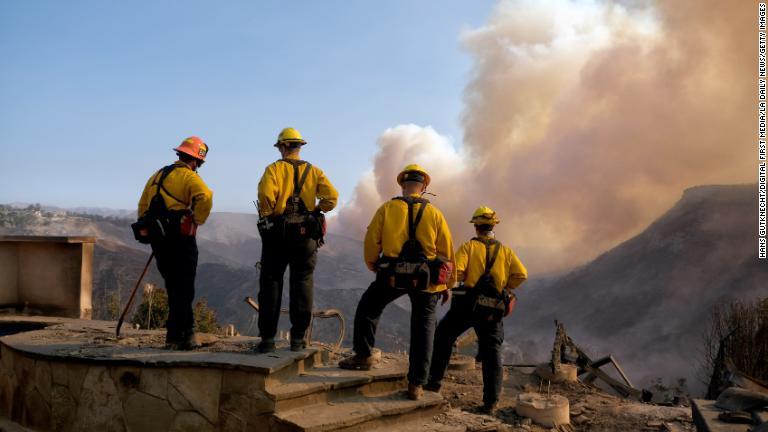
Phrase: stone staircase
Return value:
(325, 398)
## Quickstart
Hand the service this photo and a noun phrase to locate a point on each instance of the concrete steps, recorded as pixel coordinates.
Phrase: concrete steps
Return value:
(328, 383)
(327, 398)
(360, 413)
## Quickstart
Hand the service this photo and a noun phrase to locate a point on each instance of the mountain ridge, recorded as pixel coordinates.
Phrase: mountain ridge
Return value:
(645, 301)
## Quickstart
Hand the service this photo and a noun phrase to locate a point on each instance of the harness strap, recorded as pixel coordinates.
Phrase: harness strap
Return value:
(490, 259)
(298, 183)
(163, 173)
(412, 224)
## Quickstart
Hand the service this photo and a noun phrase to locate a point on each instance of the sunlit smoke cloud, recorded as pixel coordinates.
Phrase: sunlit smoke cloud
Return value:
(398, 147)
(583, 123)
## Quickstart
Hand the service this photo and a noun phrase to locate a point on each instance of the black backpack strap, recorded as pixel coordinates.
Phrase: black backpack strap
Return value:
(412, 228)
(490, 258)
(413, 223)
(163, 173)
(298, 183)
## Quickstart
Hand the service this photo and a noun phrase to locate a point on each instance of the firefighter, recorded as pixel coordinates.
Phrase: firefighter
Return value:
(292, 196)
(406, 234)
(491, 270)
(174, 202)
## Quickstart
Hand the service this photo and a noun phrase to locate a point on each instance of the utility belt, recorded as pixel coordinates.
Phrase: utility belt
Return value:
(295, 225)
(170, 225)
(415, 275)
(484, 302)
(411, 270)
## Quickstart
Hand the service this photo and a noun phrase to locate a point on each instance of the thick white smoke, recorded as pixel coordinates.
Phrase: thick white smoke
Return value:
(583, 122)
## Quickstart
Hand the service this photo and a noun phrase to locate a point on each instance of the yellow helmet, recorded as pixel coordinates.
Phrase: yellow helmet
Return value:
(413, 168)
(290, 137)
(484, 216)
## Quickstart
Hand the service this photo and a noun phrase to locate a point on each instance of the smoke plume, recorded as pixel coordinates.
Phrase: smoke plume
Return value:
(583, 122)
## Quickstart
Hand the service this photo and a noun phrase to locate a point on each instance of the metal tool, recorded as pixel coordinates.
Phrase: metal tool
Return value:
(133, 294)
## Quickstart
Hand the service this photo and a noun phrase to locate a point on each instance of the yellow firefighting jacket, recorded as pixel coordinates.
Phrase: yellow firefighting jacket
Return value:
(188, 190)
(388, 231)
(276, 186)
(507, 270)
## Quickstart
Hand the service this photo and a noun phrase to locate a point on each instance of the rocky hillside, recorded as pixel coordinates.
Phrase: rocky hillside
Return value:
(647, 300)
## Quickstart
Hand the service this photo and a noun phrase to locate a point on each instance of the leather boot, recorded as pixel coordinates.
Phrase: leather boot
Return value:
(415, 392)
(357, 362)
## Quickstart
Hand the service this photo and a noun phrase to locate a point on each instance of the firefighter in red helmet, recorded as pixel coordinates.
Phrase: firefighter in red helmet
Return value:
(174, 202)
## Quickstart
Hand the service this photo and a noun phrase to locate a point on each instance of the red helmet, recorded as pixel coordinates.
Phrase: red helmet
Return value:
(193, 146)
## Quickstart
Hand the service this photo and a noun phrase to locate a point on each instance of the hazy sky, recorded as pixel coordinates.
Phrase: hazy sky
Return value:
(94, 94)
(579, 121)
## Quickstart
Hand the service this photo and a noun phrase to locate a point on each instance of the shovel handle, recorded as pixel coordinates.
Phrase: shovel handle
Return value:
(133, 294)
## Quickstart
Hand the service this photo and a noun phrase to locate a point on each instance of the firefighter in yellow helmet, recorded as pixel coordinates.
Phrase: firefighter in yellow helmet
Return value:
(174, 202)
(408, 245)
(293, 194)
(489, 272)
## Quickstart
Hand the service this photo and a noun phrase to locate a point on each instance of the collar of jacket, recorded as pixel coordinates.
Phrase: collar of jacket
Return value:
(181, 164)
(292, 156)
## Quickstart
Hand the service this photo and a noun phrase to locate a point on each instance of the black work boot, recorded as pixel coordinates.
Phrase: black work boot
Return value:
(172, 341)
(432, 387)
(488, 408)
(188, 342)
(298, 345)
(267, 345)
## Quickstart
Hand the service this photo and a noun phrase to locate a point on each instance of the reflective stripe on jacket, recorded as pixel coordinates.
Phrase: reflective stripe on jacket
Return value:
(276, 186)
(507, 269)
(188, 190)
(388, 231)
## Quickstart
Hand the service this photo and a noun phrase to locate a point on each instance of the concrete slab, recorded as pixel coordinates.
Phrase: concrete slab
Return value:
(88, 342)
(355, 411)
(309, 384)
(328, 378)
(705, 418)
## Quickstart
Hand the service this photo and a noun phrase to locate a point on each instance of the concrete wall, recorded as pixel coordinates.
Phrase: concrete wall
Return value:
(47, 275)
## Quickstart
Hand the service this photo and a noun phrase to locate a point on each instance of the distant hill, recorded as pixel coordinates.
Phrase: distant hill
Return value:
(647, 300)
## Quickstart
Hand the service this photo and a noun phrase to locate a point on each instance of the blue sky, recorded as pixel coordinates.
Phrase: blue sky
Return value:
(94, 94)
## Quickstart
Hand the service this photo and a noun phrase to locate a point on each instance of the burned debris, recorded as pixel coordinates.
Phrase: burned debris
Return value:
(566, 352)
(738, 397)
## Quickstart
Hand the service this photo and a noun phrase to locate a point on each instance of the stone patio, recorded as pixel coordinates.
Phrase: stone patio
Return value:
(75, 375)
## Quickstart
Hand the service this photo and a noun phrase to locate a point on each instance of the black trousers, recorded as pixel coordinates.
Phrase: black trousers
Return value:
(490, 335)
(369, 310)
(300, 254)
(177, 262)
